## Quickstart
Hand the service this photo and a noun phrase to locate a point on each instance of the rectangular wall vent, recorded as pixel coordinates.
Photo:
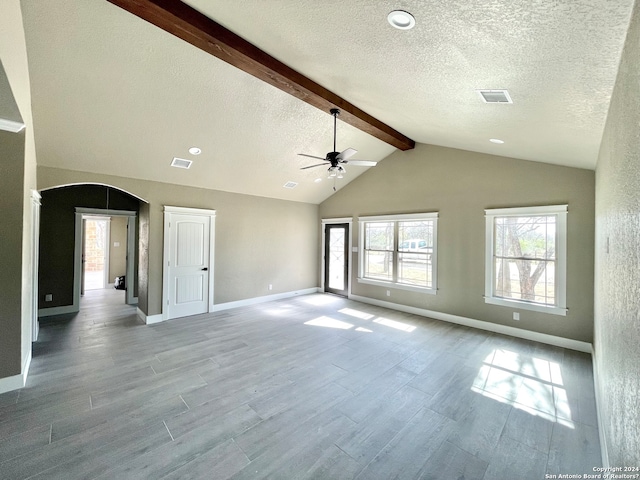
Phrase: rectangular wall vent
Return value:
(290, 185)
(495, 96)
(181, 163)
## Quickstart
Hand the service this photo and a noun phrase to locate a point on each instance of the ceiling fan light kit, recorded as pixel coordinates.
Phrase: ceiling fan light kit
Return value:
(337, 160)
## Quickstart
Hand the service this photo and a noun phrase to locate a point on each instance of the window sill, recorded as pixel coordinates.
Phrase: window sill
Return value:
(503, 302)
(399, 286)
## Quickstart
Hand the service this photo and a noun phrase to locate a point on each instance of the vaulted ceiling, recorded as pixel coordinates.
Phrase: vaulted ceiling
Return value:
(114, 94)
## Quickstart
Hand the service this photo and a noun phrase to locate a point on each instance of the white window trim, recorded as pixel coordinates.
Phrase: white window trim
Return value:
(397, 218)
(560, 211)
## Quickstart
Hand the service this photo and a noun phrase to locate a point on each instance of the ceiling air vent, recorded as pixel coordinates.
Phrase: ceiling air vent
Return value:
(495, 96)
(181, 163)
(290, 185)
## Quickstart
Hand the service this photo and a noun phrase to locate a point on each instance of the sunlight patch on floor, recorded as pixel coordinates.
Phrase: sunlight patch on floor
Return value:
(329, 323)
(533, 385)
(319, 300)
(279, 311)
(395, 324)
(356, 313)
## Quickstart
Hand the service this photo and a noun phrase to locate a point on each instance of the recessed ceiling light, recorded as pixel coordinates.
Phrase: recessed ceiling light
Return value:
(496, 140)
(318, 180)
(401, 20)
(195, 151)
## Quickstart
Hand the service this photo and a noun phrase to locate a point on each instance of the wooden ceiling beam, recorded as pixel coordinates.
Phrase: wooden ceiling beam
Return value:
(186, 23)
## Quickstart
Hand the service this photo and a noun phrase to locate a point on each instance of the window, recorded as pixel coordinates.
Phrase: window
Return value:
(399, 250)
(526, 258)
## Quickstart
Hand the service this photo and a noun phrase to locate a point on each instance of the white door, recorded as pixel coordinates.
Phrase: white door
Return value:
(187, 262)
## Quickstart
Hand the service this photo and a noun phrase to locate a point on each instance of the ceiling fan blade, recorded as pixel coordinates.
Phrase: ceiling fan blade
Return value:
(316, 165)
(361, 163)
(348, 153)
(311, 156)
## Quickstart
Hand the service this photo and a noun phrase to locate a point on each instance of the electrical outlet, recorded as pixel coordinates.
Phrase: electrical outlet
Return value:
(388, 293)
(48, 297)
(270, 287)
(516, 316)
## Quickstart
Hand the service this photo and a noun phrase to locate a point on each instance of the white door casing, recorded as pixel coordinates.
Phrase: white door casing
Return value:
(132, 250)
(130, 264)
(35, 252)
(188, 262)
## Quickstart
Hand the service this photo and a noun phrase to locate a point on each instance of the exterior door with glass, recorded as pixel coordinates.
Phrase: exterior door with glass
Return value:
(336, 258)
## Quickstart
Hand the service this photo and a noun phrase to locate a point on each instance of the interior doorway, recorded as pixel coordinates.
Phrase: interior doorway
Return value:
(97, 269)
(95, 252)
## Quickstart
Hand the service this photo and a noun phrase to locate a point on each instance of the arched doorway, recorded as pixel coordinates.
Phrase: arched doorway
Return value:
(60, 250)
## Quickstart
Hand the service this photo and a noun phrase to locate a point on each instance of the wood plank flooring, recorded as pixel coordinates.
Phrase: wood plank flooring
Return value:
(312, 387)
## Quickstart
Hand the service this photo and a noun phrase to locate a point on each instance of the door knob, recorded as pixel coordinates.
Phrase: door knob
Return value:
(205, 269)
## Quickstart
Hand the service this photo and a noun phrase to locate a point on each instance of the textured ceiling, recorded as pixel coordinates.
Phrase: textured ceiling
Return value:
(116, 95)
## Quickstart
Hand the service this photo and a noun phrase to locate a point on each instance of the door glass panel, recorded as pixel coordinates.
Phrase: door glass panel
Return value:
(336, 258)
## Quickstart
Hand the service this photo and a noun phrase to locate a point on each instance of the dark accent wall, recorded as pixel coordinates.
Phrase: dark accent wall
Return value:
(57, 234)
(11, 203)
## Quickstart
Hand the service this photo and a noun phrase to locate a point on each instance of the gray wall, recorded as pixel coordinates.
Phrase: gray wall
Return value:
(617, 287)
(13, 54)
(460, 185)
(259, 241)
(143, 259)
(11, 203)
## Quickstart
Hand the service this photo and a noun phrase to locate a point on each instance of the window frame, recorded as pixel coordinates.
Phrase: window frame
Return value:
(362, 221)
(560, 281)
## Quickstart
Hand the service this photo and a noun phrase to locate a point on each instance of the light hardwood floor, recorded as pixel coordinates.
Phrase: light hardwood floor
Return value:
(310, 387)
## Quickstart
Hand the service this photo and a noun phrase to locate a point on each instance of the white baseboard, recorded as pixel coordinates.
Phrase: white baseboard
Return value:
(47, 312)
(267, 298)
(16, 382)
(149, 319)
(492, 327)
(604, 450)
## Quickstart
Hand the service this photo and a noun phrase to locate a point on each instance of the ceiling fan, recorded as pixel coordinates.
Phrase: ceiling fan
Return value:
(336, 160)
